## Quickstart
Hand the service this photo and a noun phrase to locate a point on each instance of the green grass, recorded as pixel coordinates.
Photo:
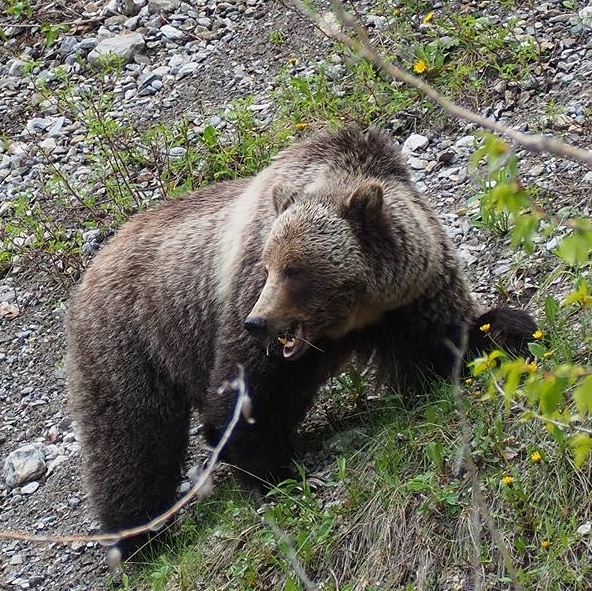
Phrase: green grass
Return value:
(396, 510)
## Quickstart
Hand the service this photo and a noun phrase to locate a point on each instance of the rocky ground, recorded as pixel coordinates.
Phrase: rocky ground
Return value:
(186, 57)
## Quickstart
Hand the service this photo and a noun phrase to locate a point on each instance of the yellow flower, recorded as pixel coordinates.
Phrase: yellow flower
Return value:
(292, 61)
(301, 125)
(538, 334)
(548, 354)
(419, 67)
(545, 544)
(536, 457)
(508, 480)
(531, 367)
(469, 381)
(428, 17)
(485, 328)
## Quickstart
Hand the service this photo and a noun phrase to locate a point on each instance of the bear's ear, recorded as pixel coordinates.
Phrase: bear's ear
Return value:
(283, 196)
(364, 203)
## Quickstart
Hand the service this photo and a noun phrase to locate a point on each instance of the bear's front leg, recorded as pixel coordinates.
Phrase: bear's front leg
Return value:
(261, 450)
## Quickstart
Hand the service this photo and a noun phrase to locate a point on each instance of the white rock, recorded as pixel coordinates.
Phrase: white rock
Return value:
(414, 142)
(536, 170)
(161, 71)
(17, 67)
(467, 141)
(112, 7)
(24, 463)
(125, 45)
(177, 60)
(48, 144)
(187, 69)
(417, 163)
(552, 243)
(17, 148)
(56, 128)
(91, 235)
(158, 6)
(172, 33)
(30, 488)
(53, 464)
(584, 529)
(7, 293)
(177, 152)
(38, 124)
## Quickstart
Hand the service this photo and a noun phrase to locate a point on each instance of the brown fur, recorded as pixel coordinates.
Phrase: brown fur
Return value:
(331, 240)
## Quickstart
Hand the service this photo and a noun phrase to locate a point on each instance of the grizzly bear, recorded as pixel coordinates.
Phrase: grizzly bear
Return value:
(328, 255)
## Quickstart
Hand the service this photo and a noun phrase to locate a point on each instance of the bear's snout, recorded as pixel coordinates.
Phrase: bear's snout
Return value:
(257, 327)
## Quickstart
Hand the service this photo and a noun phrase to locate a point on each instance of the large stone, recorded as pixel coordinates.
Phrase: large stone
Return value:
(23, 464)
(124, 45)
(414, 143)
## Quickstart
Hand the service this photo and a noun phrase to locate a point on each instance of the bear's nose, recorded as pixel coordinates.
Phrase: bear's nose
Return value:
(257, 327)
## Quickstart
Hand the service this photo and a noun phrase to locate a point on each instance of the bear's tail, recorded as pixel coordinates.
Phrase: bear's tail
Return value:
(503, 328)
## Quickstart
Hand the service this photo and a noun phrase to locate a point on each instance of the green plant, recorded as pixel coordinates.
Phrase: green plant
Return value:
(277, 38)
(505, 204)
(19, 9)
(52, 32)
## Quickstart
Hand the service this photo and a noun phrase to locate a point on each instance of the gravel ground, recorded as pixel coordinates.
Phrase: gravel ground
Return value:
(185, 57)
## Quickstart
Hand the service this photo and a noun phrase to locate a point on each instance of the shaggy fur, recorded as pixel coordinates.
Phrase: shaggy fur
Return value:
(330, 248)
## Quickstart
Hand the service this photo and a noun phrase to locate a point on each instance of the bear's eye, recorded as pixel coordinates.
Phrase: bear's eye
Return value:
(291, 271)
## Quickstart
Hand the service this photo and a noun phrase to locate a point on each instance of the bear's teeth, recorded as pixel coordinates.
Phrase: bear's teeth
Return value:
(288, 342)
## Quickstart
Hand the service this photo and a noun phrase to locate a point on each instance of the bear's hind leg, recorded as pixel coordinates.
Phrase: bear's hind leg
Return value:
(134, 443)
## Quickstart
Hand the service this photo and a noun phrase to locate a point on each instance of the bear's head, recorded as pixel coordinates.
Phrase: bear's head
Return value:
(320, 276)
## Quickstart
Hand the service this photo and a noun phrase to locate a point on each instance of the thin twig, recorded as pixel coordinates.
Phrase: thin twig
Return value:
(291, 555)
(466, 437)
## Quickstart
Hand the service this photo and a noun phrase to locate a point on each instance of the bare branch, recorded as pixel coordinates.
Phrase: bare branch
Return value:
(473, 470)
(364, 47)
(291, 555)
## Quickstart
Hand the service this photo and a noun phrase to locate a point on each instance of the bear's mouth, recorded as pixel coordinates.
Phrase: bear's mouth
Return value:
(293, 341)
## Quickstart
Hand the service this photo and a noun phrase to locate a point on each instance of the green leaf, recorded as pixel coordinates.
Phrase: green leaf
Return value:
(582, 396)
(551, 308)
(581, 445)
(524, 230)
(537, 350)
(580, 295)
(435, 452)
(291, 584)
(513, 371)
(550, 396)
(576, 249)
(210, 136)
